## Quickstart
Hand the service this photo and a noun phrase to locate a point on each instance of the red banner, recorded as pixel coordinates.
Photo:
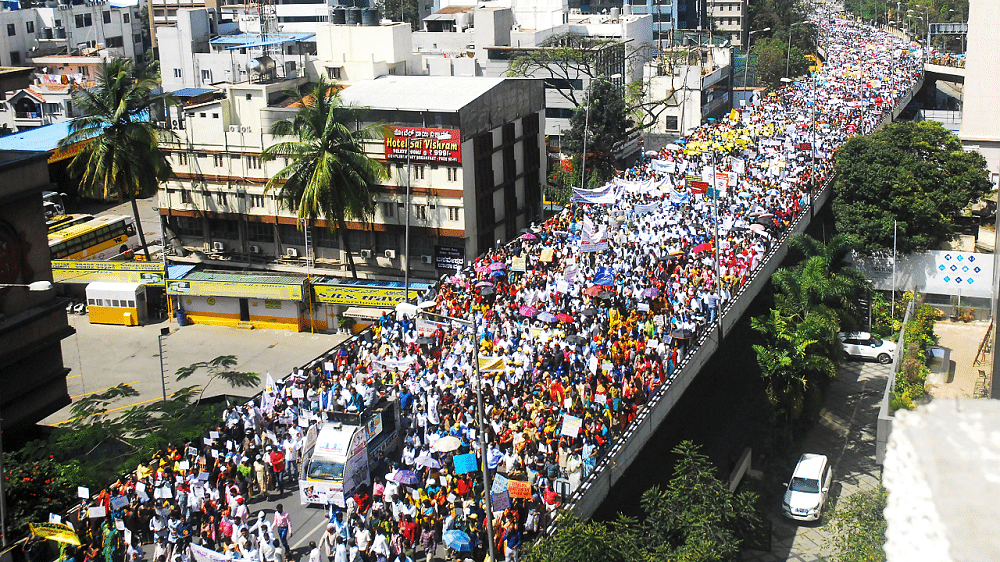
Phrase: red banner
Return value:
(424, 145)
(698, 186)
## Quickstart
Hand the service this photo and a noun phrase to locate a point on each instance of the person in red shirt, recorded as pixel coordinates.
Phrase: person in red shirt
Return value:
(277, 460)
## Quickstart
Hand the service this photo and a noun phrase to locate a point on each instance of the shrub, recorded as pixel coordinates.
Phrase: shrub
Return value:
(913, 372)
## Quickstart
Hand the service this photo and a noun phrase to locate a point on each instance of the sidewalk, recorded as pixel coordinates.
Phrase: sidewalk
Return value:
(845, 432)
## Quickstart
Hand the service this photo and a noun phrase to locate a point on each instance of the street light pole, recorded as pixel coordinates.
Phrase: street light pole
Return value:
(788, 51)
(415, 310)
(746, 63)
(159, 340)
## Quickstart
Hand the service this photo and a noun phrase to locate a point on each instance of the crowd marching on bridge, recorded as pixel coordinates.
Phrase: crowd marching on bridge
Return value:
(590, 314)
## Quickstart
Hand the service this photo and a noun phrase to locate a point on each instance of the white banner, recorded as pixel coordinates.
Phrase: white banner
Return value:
(202, 554)
(593, 242)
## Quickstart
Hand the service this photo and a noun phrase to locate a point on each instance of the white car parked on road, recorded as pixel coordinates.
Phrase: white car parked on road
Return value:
(807, 491)
(867, 346)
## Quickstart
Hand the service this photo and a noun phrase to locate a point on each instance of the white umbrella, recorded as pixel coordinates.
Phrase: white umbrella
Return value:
(447, 444)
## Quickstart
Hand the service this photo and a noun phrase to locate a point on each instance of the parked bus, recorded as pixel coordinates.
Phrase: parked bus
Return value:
(100, 238)
(60, 222)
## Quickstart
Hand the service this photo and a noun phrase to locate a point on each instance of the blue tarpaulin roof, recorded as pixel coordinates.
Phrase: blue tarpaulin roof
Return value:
(41, 139)
(191, 92)
(250, 40)
(178, 271)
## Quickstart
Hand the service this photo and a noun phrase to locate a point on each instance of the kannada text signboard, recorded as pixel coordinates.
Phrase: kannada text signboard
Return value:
(449, 257)
(362, 296)
(72, 271)
(239, 289)
(418, 144)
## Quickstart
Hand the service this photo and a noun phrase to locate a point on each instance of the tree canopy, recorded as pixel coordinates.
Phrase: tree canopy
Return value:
(603, 118)
(772, 56)
(860, 525)
(914, 174)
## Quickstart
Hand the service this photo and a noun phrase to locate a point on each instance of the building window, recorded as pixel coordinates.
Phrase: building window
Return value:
(418, 172)
(452, 174)
(185, 197)
(177, 73)
(15, 58)
(420, 212)
(249, 97)
(29, 26)
(125, 17)
(219, 160)
(256, 201)
(189, 226)
(454, 214)
(671, 122)
(137, 38)
(11, 30)
(388, 210)
(83, 20)
(253, 162)
(260, 232)
(107, 17)
(113, 42)
(182, 158)
(220, 198)
(333, 73)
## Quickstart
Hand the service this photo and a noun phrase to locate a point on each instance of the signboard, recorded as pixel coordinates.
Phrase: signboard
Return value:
(465, 463)
(449, 257)
(418, 144)
(362, 296)
(519, 489)
(64, 152)
(240, 289)
(72, 271)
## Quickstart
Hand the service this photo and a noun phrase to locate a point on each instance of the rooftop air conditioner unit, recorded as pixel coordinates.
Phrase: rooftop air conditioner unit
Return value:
(391, 254)
(427, 259)
(218, 246)
(254, 249)
(292, 252)
(365, 254)
(234, 128)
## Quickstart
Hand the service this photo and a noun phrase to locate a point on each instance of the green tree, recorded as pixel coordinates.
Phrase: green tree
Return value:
(37, 485)
(860, 526)
(220, 368)
(771, 60)
(121, 157)
(790, 359)
(329, 173)
(603, 118)
(586, 541)
(915, 175)
(823, 277)
(696, 517)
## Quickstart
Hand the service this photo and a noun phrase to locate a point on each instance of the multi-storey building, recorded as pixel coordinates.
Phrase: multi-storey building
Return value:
(729, 20)
(480, 184)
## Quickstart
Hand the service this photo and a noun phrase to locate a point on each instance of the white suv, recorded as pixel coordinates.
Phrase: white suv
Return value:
(867, 346)
(806, 492)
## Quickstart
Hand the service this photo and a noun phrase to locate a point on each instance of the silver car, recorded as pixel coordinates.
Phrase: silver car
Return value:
(863, 345)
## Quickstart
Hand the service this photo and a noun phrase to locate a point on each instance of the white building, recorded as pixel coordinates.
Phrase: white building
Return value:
(65, 44)
(729, 19)
(696, 84)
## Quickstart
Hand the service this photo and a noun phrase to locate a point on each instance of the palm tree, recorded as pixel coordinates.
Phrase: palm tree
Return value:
(121, 158)
(824, 277)
(329, 173)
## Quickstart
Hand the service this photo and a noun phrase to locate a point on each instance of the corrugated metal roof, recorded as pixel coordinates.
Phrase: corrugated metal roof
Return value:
(41, 139)
(192, 92)
(371, 283)
(178, 271)
(227, 277)
(418, 93)
(247, 40)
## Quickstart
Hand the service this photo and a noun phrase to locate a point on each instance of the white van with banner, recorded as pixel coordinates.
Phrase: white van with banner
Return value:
(345, 447)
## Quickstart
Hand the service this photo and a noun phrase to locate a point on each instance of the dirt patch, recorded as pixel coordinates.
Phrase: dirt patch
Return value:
(964, 340)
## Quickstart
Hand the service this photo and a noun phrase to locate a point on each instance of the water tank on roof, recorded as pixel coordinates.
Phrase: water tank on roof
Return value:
(262, 67)
(338, 16)
(60, 32)
(354, 16)
(47, 33)
(369, 16)
(616, 13)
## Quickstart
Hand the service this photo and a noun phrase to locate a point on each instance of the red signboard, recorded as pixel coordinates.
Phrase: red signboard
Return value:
(424, 145)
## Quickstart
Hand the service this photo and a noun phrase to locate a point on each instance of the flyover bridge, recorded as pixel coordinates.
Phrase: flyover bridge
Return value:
(935, 72)
(595, 488)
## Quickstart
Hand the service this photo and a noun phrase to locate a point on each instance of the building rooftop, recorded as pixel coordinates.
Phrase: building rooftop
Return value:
(418, 93)
(272, 277)
(249, 40)
(42, 139)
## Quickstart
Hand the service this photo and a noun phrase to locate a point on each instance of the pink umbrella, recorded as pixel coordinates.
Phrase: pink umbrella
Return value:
(563, 317)
(704, 247)
(454, 280)
(495, 266)
(528, 311)
(528, 236)
(483, 269)
(484, 284)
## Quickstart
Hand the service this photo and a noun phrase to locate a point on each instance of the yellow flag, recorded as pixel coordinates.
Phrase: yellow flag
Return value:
(491, 364)
(734, 115)
(55, 532)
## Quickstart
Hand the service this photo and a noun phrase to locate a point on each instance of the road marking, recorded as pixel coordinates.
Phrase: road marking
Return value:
(74, 376)
(102, 390)
(305, 540)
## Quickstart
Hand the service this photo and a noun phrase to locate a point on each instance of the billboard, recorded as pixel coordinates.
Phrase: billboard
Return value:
(73, 271)
(419, 144)
(239, 289)
(363, 296)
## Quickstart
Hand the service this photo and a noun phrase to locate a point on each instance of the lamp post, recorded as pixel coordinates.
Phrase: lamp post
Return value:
(164, 332)
(746, 63)
(407, 309)
(34, 286)
(788, 51)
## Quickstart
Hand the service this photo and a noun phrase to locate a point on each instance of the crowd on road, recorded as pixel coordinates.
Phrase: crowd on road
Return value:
(586, 318)
(946, 59)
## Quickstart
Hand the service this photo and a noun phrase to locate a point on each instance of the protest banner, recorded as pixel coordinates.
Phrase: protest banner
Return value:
(499, 484)
(500, 501)
(55, 532)
(571, 425)
(519, 489)
(465, 463)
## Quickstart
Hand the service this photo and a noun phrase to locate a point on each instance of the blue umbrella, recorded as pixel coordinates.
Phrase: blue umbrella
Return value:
(497, 273)
(546, 317)
(457, 540)
(406, 477)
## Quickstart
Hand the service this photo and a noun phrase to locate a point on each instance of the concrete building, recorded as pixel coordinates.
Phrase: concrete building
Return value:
(696, 83)
(482, 184)
(32, 323)
(980, 130)
(729, 19)
(65, 45)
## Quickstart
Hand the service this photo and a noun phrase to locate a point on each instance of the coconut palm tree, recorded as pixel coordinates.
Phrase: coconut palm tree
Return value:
(121, 158)
(328, 173)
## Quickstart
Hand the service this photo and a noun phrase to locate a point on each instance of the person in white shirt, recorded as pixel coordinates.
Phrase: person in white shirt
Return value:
(314, 555)
(380, 546)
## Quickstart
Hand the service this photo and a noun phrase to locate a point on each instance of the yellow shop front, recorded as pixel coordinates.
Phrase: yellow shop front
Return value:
(242, 300)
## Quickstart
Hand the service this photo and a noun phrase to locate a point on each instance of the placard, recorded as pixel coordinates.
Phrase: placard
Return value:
(519, 264)
(328, 366)
(571, 425)
(119, 502)
(499, 484)
(298, 392)
(547, 255)
(465, 463)
(96, 512)
(119, 524)
(192, 452)
(128, 536)
(83, 492)
(500, 501)
(213, 434)
(519, 489)
(184, 465)
(56, 519)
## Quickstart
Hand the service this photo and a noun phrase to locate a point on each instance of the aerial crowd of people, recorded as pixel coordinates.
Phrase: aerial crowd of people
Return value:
(583, 320)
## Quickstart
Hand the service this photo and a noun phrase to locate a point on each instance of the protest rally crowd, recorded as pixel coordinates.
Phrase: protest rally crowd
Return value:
(946, 59)
(581, 321)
